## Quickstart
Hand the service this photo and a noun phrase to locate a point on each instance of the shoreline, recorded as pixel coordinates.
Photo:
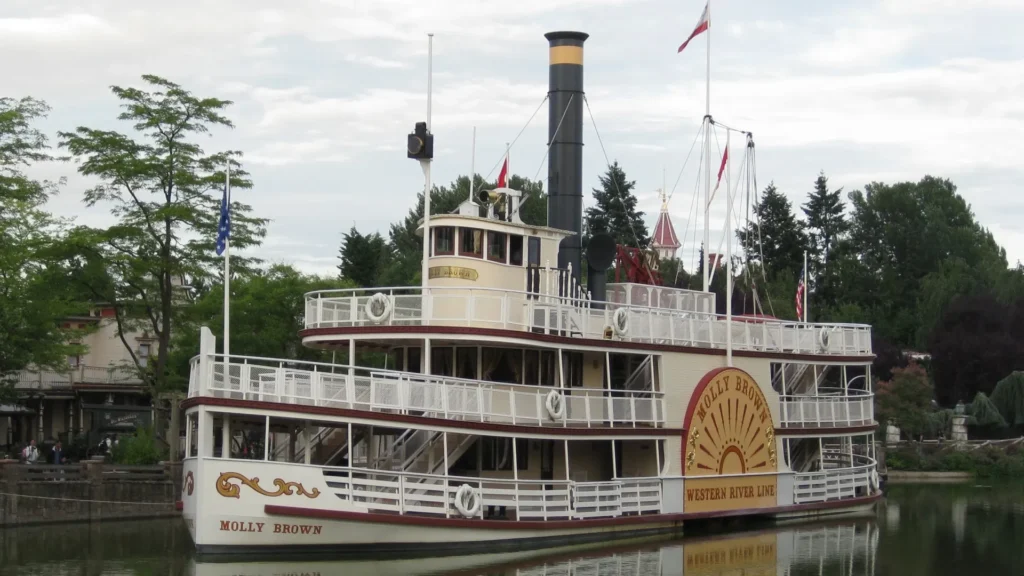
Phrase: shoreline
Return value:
(912, 477)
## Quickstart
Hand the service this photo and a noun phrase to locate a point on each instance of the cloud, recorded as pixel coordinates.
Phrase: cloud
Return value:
(325, 92)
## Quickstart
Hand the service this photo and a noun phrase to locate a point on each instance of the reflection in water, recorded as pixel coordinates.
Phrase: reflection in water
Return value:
(843, 549)
(922, 530)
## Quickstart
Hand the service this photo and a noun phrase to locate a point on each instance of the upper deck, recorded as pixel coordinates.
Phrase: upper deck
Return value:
(688, 323)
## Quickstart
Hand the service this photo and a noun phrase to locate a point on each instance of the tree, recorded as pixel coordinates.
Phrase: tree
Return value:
(267, 311)
(363, 258)
(977, 342)
(905, 400)
(826, 226)
(615, 210)
(903, 232)
(776, 239)
(34, 296)
(165, 192)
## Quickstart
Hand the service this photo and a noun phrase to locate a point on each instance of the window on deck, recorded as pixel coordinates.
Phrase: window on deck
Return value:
(471, 242)
(444, 241)
(496, 247)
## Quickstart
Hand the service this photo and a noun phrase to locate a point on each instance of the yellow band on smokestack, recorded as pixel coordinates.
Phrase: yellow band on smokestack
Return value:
(567, 55)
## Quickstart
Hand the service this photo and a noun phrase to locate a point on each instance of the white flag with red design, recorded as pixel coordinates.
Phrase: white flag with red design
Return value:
(702, 26)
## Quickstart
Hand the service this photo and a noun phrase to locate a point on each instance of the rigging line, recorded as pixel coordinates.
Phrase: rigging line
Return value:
(691, 214)
(760, 241)
(735, 217)
(700, 163)
(729, 128)
(711, 273)
(547, 151)
(632, 229)
(679, 177)
(514, 140)
(554, 136)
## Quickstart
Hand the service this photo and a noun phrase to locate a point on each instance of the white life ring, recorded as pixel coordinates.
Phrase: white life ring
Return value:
(874, 481)
(620, 322)
(378, 307)
(467, 501)
(555, 405)
(823, 338)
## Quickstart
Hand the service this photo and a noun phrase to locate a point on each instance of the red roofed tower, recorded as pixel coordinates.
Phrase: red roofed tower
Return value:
(664, 240)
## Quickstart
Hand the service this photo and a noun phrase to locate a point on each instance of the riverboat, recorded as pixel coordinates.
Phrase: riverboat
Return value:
(504, 404)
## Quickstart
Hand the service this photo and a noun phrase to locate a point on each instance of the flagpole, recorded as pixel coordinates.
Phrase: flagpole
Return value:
(707, 160)
(508, 164)
(728, 253)
(425, 164)
(806, 282)
(472, 167)
(227, 268)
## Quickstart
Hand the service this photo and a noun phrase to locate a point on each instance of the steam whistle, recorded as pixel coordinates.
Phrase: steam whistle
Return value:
(502, 201)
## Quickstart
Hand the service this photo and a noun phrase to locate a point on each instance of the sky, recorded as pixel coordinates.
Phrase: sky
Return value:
(325, 91)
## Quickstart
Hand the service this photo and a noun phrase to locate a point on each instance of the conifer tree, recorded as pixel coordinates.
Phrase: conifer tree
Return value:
(779, 244)
(827, 226)
(615, 211)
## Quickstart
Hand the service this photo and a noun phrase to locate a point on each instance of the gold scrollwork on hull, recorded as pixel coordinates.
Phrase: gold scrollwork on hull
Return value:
(228, 490)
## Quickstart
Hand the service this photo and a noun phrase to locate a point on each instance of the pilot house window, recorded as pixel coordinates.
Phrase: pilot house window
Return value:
(496, 246)
(444, 240)
(471, 242)
(515, 250)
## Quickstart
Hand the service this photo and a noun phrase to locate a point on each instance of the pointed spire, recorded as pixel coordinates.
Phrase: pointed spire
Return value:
(664, 239)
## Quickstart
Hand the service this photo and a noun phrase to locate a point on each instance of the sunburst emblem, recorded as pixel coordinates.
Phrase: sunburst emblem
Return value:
(730, 429)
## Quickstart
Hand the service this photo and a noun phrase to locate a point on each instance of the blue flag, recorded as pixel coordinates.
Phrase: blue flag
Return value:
(224, 229)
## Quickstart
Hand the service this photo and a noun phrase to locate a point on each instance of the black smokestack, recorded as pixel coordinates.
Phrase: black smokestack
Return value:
(565, 159)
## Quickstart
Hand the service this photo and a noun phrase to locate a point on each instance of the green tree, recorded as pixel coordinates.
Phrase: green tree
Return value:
(363, 257)
(615, 210)
(776, 239)
(34, 296)
(826, 227)
(903, 232)
(165, 192)
(905, 400)
(267, 312)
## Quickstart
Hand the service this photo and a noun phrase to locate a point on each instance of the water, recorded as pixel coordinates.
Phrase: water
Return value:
(918, 530)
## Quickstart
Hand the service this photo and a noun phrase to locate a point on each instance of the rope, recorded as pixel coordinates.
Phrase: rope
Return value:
(632, 229)
(554, 136)
(514, 140)
(11, 494)
(669, 199)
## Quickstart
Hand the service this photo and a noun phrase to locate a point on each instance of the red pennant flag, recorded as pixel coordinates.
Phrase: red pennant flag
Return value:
(503, 175)
(702, 25)
(725, 159)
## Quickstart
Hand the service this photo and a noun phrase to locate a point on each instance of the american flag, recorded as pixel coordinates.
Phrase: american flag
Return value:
(224, 228)
(800, 298)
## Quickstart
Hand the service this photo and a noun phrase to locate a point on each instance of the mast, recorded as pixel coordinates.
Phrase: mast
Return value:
(707, 161)
(425, 164)
(728, 253)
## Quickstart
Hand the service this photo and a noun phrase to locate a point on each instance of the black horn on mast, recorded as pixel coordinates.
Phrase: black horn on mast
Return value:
(565, 136)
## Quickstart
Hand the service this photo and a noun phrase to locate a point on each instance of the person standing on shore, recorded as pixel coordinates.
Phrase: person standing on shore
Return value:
(30, 453)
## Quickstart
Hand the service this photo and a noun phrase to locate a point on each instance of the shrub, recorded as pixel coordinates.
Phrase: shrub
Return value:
(138, 449)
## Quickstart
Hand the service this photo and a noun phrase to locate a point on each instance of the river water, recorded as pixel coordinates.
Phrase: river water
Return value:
(918, 530)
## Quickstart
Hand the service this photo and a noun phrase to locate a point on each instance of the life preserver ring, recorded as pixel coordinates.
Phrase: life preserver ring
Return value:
(378, 307)
(620, 322)
(874, 481)
(467, 501)
(823, 338)
(555, 405)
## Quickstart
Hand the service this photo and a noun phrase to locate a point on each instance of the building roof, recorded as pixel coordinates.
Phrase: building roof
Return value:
(664, 233)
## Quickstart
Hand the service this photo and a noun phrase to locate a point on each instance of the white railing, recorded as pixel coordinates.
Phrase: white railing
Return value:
(579, 317)
(829, 407)
(427, 494)
(852, 481)
(59, 379)
(357, 388)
